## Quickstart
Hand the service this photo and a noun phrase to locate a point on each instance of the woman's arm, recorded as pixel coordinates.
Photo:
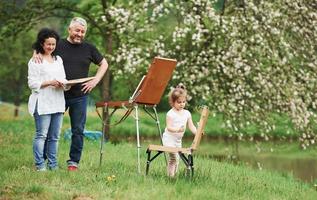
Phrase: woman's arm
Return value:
(34, 81)
(54, 83)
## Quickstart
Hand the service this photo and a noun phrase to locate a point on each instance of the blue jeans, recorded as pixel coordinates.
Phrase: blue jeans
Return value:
(77, 113)
(47, 133)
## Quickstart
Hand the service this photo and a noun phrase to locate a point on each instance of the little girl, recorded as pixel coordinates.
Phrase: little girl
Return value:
(176, 120)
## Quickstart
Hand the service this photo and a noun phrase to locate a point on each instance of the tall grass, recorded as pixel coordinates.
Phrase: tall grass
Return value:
(117, 178)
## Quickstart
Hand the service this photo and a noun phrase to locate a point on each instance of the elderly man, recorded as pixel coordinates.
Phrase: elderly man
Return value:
(77, 56)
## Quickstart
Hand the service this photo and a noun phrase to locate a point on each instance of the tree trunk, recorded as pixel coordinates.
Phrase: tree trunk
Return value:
(106, 86)
(17, 97)
(16, 105)
(16, 111)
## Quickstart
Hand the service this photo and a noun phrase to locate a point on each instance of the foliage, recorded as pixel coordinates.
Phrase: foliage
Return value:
(245, 59)
(21, 16)
(13, 73)
(255, 58)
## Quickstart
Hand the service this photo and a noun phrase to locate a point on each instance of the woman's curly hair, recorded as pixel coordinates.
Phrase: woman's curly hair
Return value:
(43, 34)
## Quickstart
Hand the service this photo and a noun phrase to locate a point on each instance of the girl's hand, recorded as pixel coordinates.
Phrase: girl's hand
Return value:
(181, 129)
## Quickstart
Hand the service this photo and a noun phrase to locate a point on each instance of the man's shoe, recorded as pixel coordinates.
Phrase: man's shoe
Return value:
(72, 168)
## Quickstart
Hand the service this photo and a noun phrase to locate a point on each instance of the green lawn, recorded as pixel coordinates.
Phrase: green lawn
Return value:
(117, 178)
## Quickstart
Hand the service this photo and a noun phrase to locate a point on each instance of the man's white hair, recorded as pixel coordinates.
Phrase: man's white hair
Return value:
(78, 20)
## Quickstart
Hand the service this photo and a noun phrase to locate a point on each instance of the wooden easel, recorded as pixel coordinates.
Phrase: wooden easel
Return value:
(147, 94)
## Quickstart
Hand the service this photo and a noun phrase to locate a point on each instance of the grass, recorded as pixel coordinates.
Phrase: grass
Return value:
(214, 128)
(117, 178)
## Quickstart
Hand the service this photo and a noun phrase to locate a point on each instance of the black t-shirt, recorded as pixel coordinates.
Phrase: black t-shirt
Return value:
(77, 59)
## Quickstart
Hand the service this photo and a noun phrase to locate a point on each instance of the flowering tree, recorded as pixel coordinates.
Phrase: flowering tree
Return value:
(248, 60)
(257, 58)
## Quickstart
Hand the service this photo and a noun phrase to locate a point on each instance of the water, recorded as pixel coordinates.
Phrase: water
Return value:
(304, 169)
(284, 157)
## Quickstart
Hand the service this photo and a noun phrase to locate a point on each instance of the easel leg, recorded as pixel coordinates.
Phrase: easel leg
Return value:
(137, 135)
(103, 135)
(159, 129)
(101, 148)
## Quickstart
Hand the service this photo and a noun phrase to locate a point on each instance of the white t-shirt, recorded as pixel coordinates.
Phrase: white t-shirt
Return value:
(178, 120)
(49, 99)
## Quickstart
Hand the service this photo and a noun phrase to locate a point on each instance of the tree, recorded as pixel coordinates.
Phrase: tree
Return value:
(253, 59)
(13, 71)
(245, 59)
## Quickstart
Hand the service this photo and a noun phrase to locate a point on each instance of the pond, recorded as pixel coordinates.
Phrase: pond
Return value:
(284, 157)
(304, 169)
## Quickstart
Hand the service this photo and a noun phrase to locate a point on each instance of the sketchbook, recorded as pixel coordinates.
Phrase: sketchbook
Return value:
(80, 80)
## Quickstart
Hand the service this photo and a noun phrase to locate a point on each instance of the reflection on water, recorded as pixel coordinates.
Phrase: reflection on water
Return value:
(304, 169)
